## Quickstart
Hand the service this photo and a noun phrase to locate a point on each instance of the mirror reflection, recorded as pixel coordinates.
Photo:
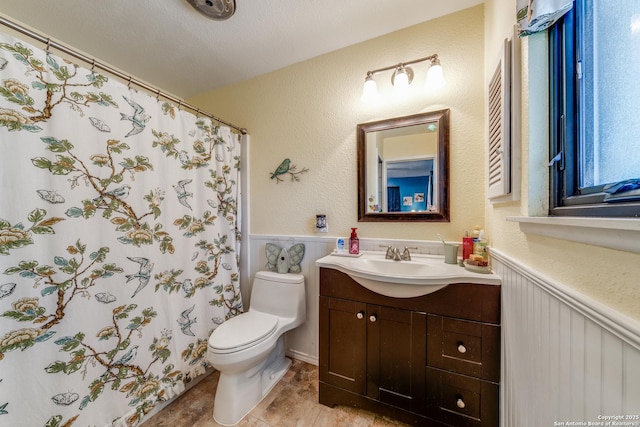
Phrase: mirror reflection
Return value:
(403, 168)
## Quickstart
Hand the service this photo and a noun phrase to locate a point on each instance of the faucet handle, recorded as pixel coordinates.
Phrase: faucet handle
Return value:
(406, 255)
(390, 251)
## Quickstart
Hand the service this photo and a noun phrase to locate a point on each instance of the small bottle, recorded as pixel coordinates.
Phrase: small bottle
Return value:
(467, 246)
(480, 247)
(354, 243)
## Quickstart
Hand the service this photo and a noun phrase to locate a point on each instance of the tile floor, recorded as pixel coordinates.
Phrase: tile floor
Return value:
(292, 402)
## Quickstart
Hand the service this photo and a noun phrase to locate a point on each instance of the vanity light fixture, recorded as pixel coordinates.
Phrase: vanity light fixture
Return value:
(402, 77)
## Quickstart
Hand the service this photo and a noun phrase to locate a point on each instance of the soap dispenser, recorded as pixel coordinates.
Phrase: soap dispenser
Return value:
(354, 242)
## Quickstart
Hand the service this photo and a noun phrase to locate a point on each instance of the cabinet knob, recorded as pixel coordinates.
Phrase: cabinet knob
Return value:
(360, 315)
(373, 318)
(461, 348)
(460, 403)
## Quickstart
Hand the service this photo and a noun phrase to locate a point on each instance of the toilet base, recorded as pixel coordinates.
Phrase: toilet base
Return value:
(237, 394)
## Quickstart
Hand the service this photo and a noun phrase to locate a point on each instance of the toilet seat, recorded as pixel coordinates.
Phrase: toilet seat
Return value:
(242, 331)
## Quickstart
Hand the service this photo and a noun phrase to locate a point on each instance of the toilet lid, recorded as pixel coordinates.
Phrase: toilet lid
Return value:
(242, 331)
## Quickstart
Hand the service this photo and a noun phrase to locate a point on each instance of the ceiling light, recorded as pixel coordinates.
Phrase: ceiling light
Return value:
(402, 78)
(218, 10)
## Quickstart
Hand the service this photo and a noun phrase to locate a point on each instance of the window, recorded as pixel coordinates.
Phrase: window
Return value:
(595, 110)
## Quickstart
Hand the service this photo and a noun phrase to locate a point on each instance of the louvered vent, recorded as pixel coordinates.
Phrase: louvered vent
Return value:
(499, 139)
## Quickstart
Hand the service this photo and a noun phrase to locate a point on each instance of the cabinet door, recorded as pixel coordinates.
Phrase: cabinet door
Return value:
(343, 326)
(396, 343)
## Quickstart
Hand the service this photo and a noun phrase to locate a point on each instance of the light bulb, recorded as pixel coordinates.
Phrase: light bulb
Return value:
(435, 79)
(369, 91)
(401, 82)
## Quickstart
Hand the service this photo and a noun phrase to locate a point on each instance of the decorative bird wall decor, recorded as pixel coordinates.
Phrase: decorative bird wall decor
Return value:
(286, 167)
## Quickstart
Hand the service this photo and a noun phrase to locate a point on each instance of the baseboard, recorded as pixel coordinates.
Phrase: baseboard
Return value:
(313, 360)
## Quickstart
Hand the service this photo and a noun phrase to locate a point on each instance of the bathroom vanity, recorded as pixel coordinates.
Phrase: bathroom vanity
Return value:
(431, 359)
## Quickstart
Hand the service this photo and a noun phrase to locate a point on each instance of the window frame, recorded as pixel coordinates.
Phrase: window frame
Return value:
(565, 197)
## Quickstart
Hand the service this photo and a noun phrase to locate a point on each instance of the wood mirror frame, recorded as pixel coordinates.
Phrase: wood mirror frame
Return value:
(440, 208)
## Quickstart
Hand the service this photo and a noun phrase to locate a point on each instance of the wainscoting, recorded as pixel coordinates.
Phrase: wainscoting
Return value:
(566, 358)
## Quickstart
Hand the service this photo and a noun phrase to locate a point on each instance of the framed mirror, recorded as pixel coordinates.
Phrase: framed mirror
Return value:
(403, 168)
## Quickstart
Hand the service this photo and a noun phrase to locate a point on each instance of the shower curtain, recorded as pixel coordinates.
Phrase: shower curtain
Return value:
(119, 243)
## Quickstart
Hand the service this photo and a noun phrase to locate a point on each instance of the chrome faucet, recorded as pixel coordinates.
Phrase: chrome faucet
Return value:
(394, 253)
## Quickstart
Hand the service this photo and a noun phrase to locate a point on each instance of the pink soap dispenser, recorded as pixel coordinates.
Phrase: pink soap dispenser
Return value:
(354, 243)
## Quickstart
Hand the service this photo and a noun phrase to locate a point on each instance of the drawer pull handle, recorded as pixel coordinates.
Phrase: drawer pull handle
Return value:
(460, 403)
(360, 315)
(373, 318)
(461, 348)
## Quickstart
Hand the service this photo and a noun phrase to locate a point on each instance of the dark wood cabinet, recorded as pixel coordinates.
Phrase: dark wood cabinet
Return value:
(432, 360)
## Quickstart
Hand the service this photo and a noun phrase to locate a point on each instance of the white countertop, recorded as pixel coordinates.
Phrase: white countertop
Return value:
(424, 273)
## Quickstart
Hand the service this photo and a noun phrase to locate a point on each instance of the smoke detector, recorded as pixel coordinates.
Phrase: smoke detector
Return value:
(218, 10)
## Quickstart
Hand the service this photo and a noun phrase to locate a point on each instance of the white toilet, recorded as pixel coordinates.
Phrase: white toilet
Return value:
(248, 349)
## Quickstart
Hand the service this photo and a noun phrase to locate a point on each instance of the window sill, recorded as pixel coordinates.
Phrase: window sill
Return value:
(622, 234)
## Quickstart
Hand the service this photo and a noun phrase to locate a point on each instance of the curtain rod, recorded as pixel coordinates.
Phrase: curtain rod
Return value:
(129, 79)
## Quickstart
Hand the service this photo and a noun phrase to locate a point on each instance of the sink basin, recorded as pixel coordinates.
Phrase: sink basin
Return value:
(422, 275)
(387, 267)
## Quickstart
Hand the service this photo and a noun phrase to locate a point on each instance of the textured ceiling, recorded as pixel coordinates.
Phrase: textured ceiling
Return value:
(173, 47)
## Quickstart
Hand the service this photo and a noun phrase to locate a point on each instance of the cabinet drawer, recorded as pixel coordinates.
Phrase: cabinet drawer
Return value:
(460, 400)
(462, 346)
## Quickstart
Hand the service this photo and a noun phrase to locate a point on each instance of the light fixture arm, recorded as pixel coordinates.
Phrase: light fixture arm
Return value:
(433, 58)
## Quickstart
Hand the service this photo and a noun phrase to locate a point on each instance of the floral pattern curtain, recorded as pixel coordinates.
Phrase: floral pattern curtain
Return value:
(118, 243)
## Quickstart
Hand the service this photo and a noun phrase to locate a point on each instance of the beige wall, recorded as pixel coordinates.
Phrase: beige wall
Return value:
(609, 276)
(308, 112)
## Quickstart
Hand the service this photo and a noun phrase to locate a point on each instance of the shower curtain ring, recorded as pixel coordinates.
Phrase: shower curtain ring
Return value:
(158, 95)
(197, 113)
(48, 45)
(129, 84)
(179, 104)
(93, 66)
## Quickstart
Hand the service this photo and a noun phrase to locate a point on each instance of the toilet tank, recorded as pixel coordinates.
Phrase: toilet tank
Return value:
(279, 294)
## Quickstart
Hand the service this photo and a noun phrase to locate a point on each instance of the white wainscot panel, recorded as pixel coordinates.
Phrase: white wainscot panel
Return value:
(566, 358)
